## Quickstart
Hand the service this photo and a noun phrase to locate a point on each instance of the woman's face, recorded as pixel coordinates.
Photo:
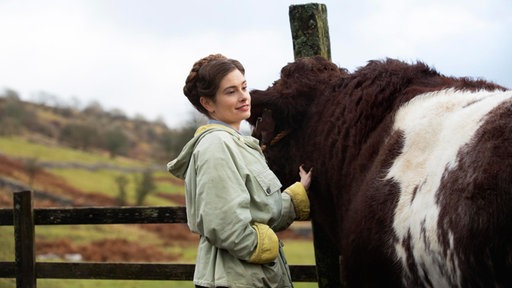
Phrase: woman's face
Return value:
(232, 101)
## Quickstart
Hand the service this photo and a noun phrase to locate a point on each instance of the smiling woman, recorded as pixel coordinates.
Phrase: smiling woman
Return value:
(233, 199)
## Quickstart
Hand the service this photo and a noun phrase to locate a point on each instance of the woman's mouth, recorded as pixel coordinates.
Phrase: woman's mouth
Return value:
(244, 108)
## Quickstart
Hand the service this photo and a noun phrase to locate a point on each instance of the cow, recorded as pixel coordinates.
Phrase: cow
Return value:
(412, 169)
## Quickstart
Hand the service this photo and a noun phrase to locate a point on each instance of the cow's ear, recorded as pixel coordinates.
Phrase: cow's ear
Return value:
(265, 127)
(260, 100)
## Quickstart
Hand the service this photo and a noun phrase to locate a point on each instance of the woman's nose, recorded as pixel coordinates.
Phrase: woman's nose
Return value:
(245, 96)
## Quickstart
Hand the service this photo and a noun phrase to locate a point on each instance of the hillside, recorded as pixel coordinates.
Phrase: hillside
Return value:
(59, 185)
(57, 150)
(91, 128)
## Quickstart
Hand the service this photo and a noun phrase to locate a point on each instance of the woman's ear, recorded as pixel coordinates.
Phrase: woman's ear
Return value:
(207, 104)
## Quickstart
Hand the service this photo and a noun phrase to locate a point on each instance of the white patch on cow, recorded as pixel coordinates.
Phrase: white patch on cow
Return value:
(435, 126)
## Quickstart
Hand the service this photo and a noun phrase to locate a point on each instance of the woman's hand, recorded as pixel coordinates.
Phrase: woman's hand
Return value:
(305, 177)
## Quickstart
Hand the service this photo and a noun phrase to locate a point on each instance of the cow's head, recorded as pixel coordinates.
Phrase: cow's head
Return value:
(279, 113)
(284, 105)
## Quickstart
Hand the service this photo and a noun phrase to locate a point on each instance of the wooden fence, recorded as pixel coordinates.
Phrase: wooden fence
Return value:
(23, 217)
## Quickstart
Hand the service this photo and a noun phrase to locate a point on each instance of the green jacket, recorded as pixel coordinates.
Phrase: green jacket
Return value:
(234, 202)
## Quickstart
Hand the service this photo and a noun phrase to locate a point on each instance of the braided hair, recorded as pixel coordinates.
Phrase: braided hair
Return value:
(205, 77)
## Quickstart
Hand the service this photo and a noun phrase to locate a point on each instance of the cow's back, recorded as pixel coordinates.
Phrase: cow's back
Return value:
(445, 173)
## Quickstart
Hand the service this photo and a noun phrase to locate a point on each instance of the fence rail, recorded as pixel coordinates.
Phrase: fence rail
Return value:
(26, 270)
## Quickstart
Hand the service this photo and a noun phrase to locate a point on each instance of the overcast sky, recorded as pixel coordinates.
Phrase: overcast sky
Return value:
(134, 55)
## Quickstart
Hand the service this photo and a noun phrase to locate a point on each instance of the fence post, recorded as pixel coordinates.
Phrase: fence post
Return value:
(23, 218)
(310, 36)
(310, 31)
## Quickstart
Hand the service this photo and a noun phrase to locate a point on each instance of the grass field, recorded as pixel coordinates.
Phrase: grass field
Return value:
(19, 147)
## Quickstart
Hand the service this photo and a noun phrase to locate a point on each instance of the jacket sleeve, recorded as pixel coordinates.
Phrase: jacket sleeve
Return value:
(223, 205)
(295, 206)
(300, 200)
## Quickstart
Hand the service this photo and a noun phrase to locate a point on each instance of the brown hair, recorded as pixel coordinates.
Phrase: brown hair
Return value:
(205, 77)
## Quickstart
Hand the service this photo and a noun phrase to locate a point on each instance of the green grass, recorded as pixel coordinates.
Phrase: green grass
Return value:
(6, 243)
(305, 285)
(104, 182)
(188, 254)
(19, 147)
(299, 252)
(93, 181)
(7, 251)
(83, 234)
(101, 181)
(7, 283)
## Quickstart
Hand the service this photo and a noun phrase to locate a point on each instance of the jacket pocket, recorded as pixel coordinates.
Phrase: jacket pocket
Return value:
(268, 181)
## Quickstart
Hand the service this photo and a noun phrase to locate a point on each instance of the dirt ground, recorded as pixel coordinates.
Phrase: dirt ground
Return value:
(106, 250)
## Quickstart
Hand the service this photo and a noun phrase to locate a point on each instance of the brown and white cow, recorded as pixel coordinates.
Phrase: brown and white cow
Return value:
(412, 169)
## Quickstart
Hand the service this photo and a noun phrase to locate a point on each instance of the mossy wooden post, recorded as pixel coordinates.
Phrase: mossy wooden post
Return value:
(310, 34)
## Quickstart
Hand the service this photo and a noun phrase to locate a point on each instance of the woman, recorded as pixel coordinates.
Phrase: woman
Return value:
(233, 199)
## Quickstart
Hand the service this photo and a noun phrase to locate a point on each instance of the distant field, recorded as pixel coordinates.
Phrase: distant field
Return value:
(20, 147)
(99, 181)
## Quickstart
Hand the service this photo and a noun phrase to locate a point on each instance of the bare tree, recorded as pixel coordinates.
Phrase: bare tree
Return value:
(121, 181)
(32, 167)
(145, 185)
